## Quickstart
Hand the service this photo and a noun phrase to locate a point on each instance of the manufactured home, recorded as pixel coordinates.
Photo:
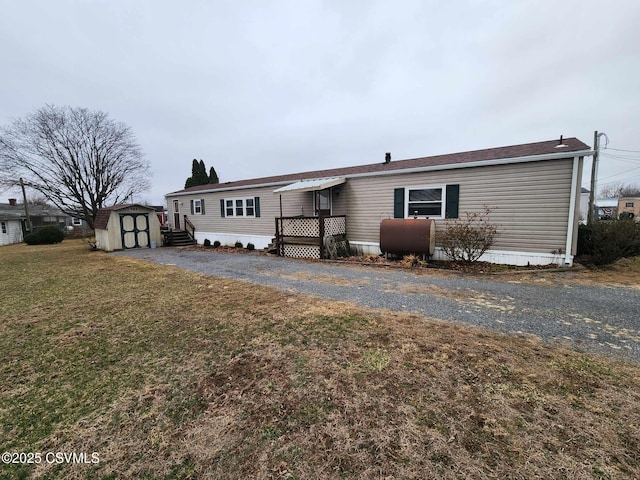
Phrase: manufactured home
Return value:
(533, 192)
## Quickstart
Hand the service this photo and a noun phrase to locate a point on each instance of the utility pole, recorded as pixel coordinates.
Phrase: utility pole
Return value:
(26, 207)
(591, 216)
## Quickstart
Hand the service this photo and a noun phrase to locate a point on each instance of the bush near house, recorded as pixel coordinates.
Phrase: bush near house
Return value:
(466, 239)
(607, 241)
(47, 235)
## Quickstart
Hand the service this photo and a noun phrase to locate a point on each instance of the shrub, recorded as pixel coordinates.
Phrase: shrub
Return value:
(47, 235)
(216, 244)
(607, 241)
(207, 242)
(465, 240)
(250, 246)
(239, 245)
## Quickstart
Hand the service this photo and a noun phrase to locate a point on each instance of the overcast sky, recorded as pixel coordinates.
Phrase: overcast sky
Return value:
(258, 88)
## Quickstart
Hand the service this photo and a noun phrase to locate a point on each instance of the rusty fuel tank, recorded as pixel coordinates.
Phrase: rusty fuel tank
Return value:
(406, 236)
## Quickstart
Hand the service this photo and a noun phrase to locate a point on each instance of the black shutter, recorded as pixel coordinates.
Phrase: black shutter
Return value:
(256, 206)
(202, 205)
(451, 207)
(398, 203)
(222, 212)
(191, 202)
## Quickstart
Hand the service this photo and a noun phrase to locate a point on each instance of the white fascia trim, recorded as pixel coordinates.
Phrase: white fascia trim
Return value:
(452, 166)
(228, 189)
(572, 211)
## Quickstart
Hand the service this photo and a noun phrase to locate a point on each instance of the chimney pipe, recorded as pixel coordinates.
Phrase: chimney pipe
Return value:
(13, 202)
(387, 157)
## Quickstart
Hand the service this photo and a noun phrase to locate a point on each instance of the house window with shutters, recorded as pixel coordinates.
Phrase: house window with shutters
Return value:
(240, 207)
(430, 201)
(197, 206)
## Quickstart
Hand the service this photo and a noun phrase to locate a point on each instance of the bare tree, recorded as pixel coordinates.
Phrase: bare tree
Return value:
(611, 190)
(79, 160)
(619, 189)
(630, 191)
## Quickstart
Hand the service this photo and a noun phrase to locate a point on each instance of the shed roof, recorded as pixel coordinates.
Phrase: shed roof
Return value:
(102, 217)
(532, 150)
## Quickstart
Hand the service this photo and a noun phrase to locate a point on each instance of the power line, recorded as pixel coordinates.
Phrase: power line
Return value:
(619, 174)
(622, 150)
(621, 159)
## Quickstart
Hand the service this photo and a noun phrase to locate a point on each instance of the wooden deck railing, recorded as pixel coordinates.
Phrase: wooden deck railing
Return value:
(188, 225)
(308, 233)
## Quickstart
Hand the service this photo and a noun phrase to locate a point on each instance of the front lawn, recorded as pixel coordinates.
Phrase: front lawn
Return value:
(165, 373)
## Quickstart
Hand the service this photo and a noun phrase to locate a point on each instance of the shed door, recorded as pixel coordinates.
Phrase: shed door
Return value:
(134, 228)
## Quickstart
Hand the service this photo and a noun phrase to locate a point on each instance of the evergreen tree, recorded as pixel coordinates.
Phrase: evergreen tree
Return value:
(199, 175)
(203, 178)
(213, 176)
(192, 181)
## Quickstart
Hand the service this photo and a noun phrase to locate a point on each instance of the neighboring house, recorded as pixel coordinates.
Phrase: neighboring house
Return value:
(629, 207)
(12, 223)
(127, 226)
(14, 226)
(607, 208)
(533, 191)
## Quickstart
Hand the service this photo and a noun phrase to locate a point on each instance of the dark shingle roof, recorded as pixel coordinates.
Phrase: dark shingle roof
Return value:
(514, 151)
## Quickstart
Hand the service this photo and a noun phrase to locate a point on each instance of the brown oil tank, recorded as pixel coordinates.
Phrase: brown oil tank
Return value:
(406, 236)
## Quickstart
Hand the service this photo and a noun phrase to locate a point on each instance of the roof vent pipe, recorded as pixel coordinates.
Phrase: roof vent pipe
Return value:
(560, 143)
(387, 157)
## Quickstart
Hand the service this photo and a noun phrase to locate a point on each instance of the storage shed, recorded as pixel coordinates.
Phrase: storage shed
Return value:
(127, 226)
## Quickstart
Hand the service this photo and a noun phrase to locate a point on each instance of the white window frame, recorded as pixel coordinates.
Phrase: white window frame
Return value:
(443, 200)
(4, 227)
(76, 222)
(197, 206)
(236, 206)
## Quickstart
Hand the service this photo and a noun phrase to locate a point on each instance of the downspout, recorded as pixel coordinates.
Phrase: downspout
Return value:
(568, 258)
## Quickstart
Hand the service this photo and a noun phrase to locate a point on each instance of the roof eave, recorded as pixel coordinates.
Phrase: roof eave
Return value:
(397, 171)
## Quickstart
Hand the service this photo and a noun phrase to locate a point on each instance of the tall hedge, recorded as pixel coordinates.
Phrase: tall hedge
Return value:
(607, 241)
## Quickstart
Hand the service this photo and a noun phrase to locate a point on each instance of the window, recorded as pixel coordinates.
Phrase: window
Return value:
(432, 201)
(4, 227)
(76, 222)
(424, 202)
(197, 206)
(240, 207)
(249, 207)
(628, 205)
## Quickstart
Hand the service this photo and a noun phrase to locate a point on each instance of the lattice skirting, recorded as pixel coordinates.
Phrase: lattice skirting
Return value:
(302, 251)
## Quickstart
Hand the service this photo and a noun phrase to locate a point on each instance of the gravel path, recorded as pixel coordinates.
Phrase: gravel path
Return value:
(600, 319)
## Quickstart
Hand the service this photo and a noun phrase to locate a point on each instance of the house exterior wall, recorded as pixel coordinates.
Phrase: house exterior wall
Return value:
(257, 230)
(14, 232)
(529, 202)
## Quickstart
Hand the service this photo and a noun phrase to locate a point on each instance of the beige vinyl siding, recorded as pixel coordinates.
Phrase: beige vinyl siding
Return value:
(293, 204)
(530, 201)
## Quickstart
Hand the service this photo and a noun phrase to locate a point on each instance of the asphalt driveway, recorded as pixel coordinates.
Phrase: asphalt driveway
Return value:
(592, 318)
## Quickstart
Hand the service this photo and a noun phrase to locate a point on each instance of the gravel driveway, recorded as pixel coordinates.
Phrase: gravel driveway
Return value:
(591, 318)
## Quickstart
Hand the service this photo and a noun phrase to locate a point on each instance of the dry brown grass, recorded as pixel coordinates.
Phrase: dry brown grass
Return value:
(169, 374)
